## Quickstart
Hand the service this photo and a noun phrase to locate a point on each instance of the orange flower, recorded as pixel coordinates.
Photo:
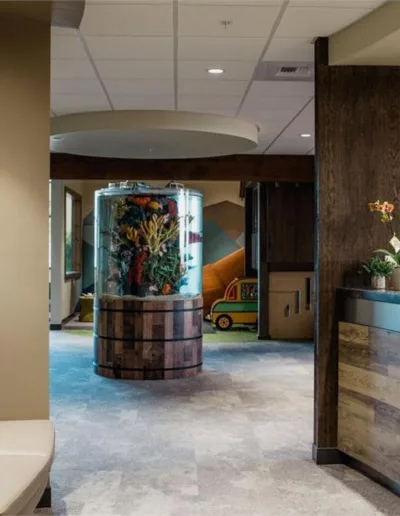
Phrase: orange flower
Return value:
(140, 201)
(166, 289)
(387, 207)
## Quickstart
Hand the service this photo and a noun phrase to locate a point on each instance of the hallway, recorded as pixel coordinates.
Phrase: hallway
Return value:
(236, 441)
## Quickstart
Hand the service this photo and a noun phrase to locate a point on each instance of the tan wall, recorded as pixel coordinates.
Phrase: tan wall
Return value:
(213, 192)
(24, 175)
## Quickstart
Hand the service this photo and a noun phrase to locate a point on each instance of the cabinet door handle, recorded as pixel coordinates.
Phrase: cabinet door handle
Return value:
(308, 293)
(287, 311)
(298, 302)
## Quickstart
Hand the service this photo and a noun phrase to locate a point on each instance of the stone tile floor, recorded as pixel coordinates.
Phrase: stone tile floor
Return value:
(236, 441)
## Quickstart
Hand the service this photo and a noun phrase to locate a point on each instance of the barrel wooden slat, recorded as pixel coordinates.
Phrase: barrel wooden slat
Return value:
(153, 340)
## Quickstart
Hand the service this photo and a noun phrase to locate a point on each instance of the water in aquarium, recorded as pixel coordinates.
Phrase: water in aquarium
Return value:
(148, 241)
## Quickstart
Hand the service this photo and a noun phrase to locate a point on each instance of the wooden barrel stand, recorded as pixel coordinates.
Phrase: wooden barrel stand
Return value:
(148, 340)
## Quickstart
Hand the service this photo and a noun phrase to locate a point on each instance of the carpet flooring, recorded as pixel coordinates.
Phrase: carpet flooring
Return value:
(235, 441)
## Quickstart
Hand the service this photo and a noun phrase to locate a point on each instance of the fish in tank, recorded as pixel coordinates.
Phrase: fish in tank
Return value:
(148, 241)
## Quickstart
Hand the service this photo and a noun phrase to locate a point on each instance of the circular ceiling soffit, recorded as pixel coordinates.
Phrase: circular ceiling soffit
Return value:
(151, 134)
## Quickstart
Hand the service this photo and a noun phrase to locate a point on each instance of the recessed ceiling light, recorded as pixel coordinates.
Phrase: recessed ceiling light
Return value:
(215, 71)
(305, 135)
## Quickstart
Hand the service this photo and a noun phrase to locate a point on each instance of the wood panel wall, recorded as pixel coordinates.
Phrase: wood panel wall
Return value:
(291, 226)
(357, 161)
(369, 397)
(285, 226)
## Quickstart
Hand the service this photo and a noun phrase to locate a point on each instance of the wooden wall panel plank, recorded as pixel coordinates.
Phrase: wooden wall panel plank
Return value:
(369, 403)
(366, 382)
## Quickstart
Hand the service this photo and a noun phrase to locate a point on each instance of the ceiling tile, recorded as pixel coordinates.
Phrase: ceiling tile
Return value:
(189, 102)
(67, 47)
(235, 49)
(142, 102)
(265, 116)
(212, 86)
(72, 69)
(233, 70)
(216, 111)
(263, 143)
(135, 69)
(118, 2)
(244, 21)
(276, 3)
(127, 19)
(261, 89)
(142, 87)
(61, 31)
(271, 130)
(274, 103)
(338, 4)
(290, 146)
(130, 47)
(76, 86)
(290, 49)
(303, 123)
(309, 22)
(63, 104)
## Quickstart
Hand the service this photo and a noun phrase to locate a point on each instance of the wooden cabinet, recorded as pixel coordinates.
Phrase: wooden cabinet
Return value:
(291, 305)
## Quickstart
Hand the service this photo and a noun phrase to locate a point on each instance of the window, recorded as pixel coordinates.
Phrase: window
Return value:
(249, 292)
(73, 234)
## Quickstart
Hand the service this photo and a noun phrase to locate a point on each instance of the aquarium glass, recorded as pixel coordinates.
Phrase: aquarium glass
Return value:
(148, 241)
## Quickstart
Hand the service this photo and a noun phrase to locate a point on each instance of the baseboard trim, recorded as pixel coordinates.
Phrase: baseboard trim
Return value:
(45, 501)
(55, 327)
(324, 456)
(371, 473)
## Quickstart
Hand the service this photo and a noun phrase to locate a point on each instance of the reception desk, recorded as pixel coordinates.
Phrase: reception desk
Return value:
(369, 383)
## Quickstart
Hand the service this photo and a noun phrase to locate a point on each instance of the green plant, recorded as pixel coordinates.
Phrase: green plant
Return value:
(393, 256)
(378, 267)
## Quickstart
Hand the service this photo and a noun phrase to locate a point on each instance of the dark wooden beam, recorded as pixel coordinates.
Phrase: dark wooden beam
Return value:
(245, 167)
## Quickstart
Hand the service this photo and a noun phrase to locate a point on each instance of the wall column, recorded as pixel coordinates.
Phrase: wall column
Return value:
(57, 249)
(263, 265)
(357, 161)
(24, 176)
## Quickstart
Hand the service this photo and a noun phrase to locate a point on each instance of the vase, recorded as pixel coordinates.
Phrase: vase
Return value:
(396, 278)
(379, 282)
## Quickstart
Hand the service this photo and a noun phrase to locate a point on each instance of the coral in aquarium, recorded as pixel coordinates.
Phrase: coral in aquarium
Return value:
(145, 256)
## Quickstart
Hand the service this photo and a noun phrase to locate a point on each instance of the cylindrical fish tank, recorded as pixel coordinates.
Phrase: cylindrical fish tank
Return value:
(148, 282)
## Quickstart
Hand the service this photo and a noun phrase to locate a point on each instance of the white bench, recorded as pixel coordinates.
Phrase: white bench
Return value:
(26, 455)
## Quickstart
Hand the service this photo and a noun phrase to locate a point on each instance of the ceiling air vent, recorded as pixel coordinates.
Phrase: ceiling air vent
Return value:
(276, 71)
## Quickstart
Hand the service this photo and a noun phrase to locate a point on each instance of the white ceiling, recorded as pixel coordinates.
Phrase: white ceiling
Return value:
(154, 54)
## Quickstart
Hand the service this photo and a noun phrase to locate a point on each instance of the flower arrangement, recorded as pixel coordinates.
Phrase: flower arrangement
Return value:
(145, 255)
(386, 211)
